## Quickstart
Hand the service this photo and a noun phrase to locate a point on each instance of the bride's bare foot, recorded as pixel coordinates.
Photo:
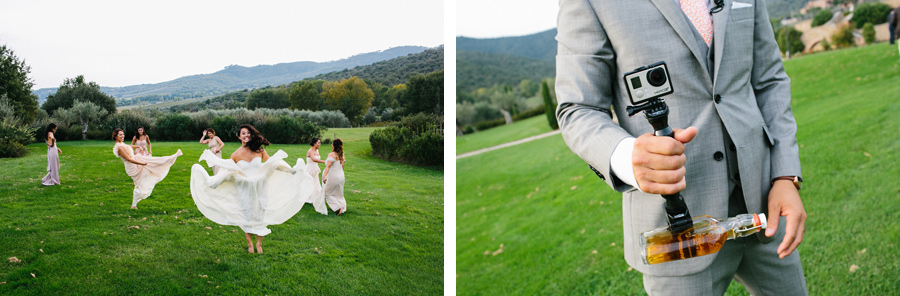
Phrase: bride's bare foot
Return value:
(250, 248)
(134, 207)
(259, 249)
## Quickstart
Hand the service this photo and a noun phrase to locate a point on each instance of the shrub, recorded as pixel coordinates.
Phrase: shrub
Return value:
(822, 17)
(291, 130)
(326, 141)
(415, 139)
(825, 44)
(13, 138)
(875, 13)
(483, 125)
(789, 34)
(175, 127)
(842, 37)
(128, 120)
(468, 130)
(868, 33)
(539, 110)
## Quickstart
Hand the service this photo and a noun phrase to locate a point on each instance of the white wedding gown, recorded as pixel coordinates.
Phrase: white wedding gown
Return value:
(250, 195)
(145, 177)
(317, 199)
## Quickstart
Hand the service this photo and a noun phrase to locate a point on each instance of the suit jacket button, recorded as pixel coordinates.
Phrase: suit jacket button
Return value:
(718, 99)
(718, 156)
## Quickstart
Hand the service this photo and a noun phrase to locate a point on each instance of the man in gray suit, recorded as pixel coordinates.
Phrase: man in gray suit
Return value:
(739, 154)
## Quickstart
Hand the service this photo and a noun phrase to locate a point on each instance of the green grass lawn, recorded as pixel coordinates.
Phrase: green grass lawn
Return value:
(503, 134)
(533, 219)
(82, 238)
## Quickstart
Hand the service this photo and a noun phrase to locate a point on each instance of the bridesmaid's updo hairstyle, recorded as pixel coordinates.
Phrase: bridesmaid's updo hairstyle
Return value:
(257, 141)
(116, 133)
(50, 128)
(313, 141)
(339, 149)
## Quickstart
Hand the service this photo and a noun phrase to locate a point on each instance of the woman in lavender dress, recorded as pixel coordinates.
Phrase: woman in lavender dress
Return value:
(53, 152)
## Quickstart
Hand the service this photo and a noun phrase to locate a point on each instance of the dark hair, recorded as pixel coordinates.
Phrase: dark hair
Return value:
(256, 139)
(338, 147)
(116, 133)
(137, 131)
(313, 141)
(211, 131)
(50, 128)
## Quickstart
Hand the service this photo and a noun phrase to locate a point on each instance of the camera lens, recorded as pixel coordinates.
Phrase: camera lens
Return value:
(656, 77)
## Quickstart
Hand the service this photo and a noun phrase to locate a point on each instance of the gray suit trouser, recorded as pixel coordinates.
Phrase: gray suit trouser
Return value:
(746, 260)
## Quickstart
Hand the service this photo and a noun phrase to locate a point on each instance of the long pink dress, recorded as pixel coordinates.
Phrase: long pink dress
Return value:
(145, 177)
(52, 177)
(143, 150)
(334, 188)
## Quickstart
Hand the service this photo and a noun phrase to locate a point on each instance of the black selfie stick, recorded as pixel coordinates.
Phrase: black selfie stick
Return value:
(657, 113)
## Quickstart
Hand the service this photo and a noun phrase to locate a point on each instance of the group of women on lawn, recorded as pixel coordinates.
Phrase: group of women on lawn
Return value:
(250, 190)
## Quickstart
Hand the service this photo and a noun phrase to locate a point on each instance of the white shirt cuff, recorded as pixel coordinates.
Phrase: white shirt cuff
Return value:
(620, 162)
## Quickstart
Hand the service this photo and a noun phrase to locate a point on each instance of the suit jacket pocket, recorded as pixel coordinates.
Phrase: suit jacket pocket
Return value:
(742, 14)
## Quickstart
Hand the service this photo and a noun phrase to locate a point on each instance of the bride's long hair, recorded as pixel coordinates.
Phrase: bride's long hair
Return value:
(257, 141)
(338, 147)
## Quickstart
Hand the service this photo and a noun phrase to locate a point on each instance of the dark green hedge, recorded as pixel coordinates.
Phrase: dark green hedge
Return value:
(415, 139)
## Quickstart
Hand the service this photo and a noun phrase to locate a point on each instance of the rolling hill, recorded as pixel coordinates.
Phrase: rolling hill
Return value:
(236, 77)
(394, 71)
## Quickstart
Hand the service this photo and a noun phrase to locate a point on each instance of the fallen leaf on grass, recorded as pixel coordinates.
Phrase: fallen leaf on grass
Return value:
(134, 227)
(573, 187)
(203, 276)
(629, 269)
(853, 268)
(860, 252)
(42, 250)
(612, 244)
(14, 260)
(207, 227)
(32, 275)
(498, 251)
(867, 154)
(2, 283)
(356, 191)
(594, 252)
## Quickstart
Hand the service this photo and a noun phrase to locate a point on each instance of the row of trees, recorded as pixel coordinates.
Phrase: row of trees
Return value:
(356, 98)
(501, 104)
(865, 17)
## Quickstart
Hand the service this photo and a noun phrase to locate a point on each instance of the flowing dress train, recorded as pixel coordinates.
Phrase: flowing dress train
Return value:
(317, 199)
(250, 195)
(145, 177)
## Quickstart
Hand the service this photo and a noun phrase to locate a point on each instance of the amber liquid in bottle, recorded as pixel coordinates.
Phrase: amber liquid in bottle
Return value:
(707, 236)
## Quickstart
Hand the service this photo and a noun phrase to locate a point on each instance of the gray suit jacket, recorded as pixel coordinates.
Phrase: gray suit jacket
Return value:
(744, 94)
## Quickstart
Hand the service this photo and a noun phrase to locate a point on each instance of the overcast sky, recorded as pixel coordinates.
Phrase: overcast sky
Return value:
(501, 18)
(119, 43)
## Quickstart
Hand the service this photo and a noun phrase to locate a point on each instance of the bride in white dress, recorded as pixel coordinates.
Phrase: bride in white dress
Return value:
(145, 171)
(251, 190)
(312, 167)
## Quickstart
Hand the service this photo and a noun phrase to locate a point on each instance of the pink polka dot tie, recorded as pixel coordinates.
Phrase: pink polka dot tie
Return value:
(698, 13)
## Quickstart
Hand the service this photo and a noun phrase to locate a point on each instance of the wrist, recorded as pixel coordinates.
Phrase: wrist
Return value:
(794, 180)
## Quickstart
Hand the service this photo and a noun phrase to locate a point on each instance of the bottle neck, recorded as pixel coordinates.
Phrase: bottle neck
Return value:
(742, 225)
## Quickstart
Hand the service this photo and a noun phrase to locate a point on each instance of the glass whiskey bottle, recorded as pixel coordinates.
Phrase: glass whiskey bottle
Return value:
(707, 236)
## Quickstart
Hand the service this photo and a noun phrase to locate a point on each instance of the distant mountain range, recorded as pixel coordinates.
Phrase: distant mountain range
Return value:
(236, 77)
(506, 60)
(394, 71)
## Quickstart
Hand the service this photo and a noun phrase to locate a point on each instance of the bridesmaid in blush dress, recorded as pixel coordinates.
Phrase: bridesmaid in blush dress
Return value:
(53, 152)
(145, 171)
(214, 144)
(333, 177)
(142, 140)
(317, 199)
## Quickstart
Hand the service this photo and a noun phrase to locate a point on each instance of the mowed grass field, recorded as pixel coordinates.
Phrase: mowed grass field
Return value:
(503, 134)
(533, 219)
(81, 238)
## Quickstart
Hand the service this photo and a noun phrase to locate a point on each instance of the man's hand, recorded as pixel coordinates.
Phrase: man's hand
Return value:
(784, 200)
(658, 162)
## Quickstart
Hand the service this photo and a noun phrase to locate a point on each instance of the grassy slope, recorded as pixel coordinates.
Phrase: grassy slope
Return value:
(551, 214)
(503, 134)
(389, 242)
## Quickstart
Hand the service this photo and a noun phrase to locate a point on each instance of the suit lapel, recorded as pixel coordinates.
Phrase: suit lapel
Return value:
(720, 22)
(683, 27)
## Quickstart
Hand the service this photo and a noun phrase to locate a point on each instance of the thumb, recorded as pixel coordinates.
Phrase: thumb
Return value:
(772, 224)
(685, 135)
